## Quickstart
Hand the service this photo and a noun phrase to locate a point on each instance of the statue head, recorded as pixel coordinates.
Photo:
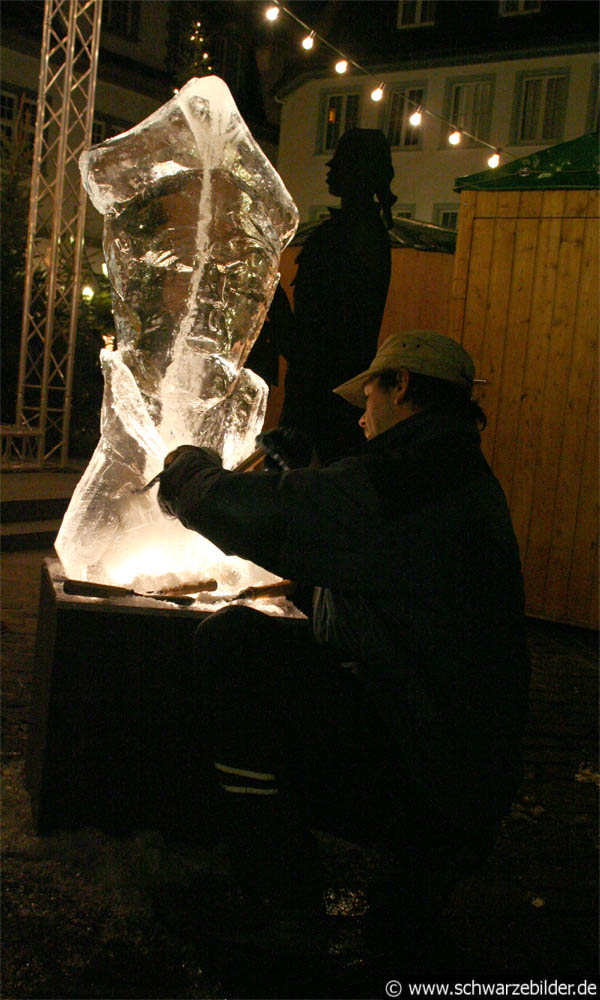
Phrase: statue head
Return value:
(361, 168)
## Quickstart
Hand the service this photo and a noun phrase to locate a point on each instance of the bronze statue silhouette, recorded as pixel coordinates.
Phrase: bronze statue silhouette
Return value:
(340, 290)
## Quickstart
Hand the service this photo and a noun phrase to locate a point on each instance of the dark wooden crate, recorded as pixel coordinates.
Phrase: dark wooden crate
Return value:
(114, 738)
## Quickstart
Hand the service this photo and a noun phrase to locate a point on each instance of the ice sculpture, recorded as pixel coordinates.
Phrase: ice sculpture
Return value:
(196, 218)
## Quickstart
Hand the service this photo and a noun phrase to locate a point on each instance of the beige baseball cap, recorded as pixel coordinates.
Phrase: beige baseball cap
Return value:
(422, 351)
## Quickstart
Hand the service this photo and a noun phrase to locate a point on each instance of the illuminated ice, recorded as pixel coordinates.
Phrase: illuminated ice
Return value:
(196, 218)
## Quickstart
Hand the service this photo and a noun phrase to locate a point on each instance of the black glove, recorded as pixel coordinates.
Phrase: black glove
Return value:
(285, 448)
(179, 465)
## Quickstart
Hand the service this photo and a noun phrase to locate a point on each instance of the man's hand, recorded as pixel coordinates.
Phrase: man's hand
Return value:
(285, 448)
(178, 464)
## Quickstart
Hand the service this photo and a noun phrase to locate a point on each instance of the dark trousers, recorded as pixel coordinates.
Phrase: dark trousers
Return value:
(295, 731)
(297, 745)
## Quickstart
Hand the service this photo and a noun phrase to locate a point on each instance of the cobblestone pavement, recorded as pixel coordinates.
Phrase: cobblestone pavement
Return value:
(79, 919)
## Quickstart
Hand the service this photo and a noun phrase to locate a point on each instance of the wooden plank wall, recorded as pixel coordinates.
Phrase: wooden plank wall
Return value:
(524, 303)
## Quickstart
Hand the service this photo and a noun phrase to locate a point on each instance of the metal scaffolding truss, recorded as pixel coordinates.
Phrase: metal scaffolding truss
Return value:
(67, 85)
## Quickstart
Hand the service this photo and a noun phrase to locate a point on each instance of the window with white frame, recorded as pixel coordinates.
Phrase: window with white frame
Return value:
(15, 107)
(469, 105)
(446, 215)
(511, 8)
(404, 101)
(98, 131)
(121, 17)
(105, 128)
(541, 101)
(416, 13)
(339, 112)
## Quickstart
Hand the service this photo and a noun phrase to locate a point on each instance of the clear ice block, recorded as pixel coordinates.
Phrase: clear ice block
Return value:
(196, 218)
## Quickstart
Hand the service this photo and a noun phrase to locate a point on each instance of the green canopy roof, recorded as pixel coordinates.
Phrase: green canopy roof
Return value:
(405, 233)
(572, 164)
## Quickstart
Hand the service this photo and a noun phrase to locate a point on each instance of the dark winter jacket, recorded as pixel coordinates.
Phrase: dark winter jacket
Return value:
(418, 578)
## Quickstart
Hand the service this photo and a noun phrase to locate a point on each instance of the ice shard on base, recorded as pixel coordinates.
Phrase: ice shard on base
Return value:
(195, 220)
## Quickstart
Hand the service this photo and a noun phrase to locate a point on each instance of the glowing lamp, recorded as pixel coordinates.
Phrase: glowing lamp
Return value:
(87, 293)
(416, 118)
(272, 13)
(309, 41)
(377, 94)
(341, 66)
(454, 138)
(494, 160)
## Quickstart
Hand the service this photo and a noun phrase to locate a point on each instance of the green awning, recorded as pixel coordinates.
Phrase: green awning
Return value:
(568, 165)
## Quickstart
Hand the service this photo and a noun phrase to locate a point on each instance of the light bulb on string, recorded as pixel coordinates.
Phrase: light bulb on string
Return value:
(341, 66)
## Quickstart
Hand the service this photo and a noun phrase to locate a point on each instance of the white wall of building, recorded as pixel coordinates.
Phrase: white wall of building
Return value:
(424, 178)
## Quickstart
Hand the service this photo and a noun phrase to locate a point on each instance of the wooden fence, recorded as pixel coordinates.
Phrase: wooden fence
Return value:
(525, 305)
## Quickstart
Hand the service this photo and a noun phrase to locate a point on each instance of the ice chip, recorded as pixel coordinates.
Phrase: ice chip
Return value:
(195, 220)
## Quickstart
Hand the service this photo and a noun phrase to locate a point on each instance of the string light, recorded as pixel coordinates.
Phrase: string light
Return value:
(342, 66)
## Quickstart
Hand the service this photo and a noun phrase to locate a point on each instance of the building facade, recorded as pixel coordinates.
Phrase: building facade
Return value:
(140, 62)
(521, 83)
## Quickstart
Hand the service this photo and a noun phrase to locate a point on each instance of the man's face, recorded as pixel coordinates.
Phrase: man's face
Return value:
(381, 410)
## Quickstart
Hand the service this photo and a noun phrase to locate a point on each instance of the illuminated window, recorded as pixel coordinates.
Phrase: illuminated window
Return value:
(338, 113)
(416, 13)
(540, 107)
(399, 131)
(510, 8)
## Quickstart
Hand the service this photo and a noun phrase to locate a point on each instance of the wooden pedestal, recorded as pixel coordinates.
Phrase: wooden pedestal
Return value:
(114, 739)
